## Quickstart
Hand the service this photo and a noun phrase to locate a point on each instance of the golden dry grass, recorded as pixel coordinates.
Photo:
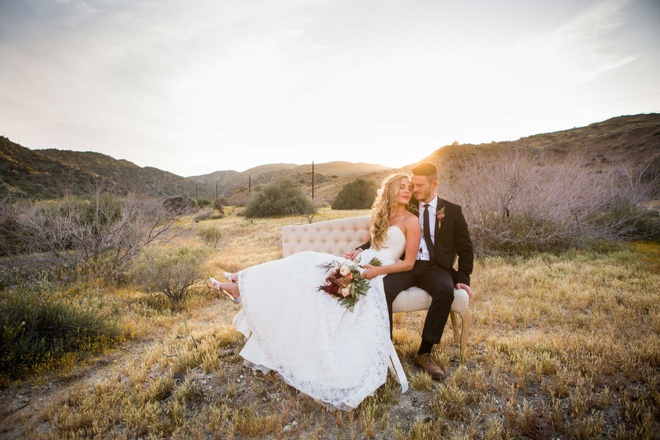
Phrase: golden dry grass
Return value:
(561, 347)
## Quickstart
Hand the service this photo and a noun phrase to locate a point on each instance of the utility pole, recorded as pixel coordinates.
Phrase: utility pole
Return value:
(216, 192)
(312, 180)
(249, 185)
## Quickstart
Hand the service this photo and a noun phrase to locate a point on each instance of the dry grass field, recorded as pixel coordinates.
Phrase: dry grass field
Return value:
(561, 346)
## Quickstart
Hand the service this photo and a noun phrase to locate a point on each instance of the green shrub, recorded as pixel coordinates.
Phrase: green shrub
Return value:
(284, 197)
(179, 205)
(172, 272)
(359, 194)
(211, 236)
(203, 203)
(40, 330)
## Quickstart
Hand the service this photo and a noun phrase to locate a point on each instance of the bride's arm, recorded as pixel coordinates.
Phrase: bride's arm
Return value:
(413, 235)
(366, 245)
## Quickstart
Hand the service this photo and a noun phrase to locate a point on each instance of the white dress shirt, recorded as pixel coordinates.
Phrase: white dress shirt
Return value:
(423, 253)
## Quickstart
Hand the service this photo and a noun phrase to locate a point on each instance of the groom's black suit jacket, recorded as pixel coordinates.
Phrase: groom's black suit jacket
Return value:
(452, 239)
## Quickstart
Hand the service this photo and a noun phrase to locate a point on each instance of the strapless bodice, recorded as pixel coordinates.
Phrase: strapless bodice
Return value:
(391, 249)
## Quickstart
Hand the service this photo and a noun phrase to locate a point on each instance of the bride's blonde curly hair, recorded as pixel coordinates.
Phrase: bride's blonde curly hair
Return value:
(385, 201)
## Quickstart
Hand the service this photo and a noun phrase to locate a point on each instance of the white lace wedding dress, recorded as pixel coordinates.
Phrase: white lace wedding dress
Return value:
(315, 344)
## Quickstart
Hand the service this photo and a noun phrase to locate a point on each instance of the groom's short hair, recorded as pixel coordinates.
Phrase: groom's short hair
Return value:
(427, 170)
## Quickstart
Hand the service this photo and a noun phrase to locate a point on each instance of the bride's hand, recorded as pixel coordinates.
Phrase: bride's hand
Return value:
(370, 271)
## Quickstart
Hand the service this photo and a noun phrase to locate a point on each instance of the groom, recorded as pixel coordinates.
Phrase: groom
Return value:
(445, 236)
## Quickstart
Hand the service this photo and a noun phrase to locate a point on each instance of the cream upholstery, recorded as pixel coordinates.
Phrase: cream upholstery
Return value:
(333, 236)
(339, 236)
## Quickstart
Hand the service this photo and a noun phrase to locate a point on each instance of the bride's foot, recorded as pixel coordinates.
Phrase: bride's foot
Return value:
(230, 290)
(232, 277)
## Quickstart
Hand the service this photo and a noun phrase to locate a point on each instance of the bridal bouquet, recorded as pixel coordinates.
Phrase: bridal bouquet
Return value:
(344, 281)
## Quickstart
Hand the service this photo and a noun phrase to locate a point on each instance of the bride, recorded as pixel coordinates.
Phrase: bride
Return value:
(334, 355)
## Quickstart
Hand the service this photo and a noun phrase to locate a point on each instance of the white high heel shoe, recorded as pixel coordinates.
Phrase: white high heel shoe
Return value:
(229, 276)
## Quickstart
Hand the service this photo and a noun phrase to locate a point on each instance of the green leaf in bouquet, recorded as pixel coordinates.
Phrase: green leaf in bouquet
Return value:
(375, 262)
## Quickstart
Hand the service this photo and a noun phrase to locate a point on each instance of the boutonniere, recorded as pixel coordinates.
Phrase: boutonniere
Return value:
(441, 214)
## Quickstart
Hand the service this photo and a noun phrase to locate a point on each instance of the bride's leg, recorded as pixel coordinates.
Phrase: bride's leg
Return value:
(232, 288)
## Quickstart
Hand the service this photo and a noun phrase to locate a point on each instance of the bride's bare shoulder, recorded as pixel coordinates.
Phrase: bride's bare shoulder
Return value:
(411, 221)
(410, 217)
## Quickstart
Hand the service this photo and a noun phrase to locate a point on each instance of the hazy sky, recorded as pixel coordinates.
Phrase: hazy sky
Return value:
(194, 87)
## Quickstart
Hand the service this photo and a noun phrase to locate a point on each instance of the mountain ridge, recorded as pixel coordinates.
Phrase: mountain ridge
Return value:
(50, 173)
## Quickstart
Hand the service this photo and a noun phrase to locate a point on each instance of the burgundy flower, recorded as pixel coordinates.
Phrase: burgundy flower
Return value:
(343, 282)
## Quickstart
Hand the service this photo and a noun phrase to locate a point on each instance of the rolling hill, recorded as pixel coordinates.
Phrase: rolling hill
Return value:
(625, 138)
(29, 174)
(235, 186)
(52, 173)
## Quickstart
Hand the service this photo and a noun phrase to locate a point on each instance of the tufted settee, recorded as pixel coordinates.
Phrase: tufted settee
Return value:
(339, 236)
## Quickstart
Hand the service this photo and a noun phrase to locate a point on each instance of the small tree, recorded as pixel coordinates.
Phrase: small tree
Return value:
(359, 194)
(283, 197)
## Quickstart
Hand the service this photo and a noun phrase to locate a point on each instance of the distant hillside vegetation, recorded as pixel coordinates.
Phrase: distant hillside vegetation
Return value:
(52, 173)
(235, 185)
(30, 174)
(634, 139)
(124, 175)
(46, 174)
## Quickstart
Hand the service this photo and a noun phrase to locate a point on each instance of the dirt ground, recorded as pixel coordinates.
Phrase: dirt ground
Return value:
(25, 405)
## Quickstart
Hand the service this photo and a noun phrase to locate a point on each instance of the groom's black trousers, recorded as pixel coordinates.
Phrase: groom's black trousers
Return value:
(437, 282)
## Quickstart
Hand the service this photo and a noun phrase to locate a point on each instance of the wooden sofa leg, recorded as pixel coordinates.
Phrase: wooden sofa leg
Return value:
(454, 325)
(465, 331)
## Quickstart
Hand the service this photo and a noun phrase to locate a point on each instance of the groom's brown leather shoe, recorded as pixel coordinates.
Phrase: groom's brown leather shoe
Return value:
(433, 369)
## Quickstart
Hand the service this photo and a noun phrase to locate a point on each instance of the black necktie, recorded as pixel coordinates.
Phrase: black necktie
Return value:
(427, 233)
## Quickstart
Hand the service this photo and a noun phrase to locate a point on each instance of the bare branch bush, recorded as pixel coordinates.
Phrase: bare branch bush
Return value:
(630, 212)
(97, 236)
(306, 216)
(517, 200)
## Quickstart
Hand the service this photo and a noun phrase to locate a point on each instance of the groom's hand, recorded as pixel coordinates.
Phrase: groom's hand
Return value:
(353, 254)
(466, 288)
